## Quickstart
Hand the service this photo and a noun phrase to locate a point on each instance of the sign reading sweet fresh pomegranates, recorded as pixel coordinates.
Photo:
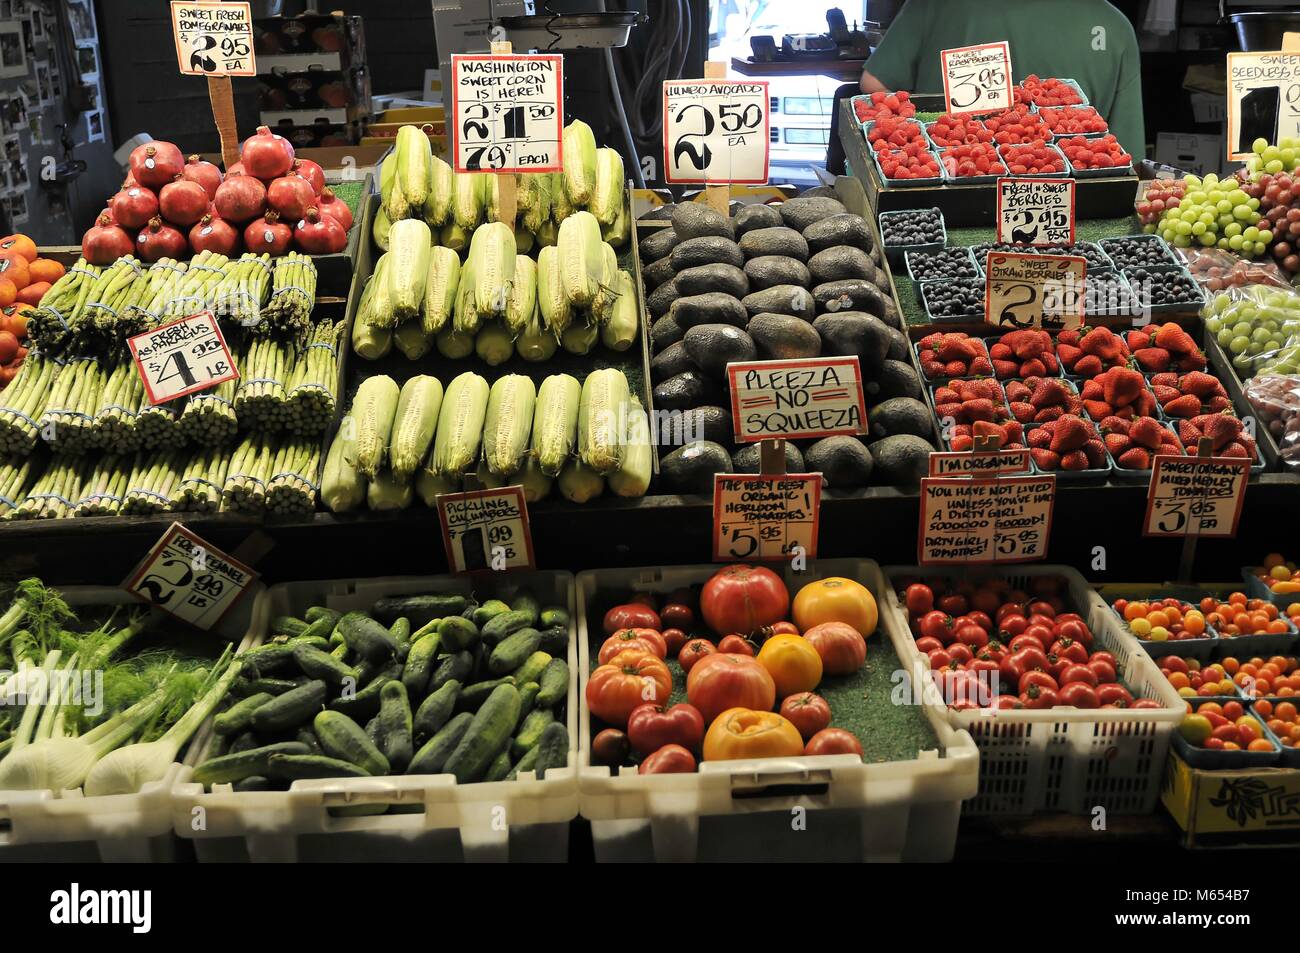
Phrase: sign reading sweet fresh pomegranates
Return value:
(214, 39)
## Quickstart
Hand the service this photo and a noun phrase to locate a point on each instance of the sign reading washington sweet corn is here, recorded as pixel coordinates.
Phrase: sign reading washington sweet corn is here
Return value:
(508, 113)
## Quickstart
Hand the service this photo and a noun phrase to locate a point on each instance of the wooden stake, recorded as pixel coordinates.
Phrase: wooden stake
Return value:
(719, 196)
(988, 443)
(223, 114)
(771, 457)
(1204, 448)
(507, 197)
(1290, 42)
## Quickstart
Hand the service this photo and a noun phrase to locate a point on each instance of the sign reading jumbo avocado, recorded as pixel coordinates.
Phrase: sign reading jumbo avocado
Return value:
(795, 399)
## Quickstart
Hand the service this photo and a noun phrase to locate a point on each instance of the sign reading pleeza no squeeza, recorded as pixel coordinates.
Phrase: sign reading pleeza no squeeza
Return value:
(805, 397)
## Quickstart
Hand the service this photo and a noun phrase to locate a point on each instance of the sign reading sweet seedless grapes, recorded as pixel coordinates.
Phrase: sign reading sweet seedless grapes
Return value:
(508, 112)
(1263, 105)
(716, 131)
(183, 357)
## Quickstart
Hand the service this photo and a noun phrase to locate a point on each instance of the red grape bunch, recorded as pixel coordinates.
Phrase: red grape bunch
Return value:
(1160, 195)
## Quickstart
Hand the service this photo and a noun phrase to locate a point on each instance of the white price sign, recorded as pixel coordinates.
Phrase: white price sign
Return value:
(1034, 291)
(992, 464)
(508, 112)
(1005, 520)
(1196, 496)
(797, 398)
(214, 39)
(181, 358)
(1263, 100)
(716, 131)
(1035, 211)
(977, 79)
(188, 578)
(765, 516)
(486, 530)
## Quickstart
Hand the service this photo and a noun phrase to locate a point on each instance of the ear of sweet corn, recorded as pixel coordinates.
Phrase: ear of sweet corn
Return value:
(552, 302)
(440, 288)
(562, 204)
(379, 228)
(492, 257)
(412, 340)
(370, 339)
(460, 425)
(408, 270)
(454, 237)
(465, 317)
(602, 419)
(467, 200)
(535, 342)
(494, 344)
(437, 206)
(508, 423)
(582, 263)
(430, 486)
(342, 487)
(607, 195)
(617, 232)
(536, 484)
(388, 185)
(579, 161)
(373, 410)
(380, 313)
(620, 331)
(555, 422)
(535, 200)
(387, 492)
(580, 337)
(412, 155)
(453, 344)
(418, 407)
(579, 483)
(633, 477)
(602, 306)
(523, 295)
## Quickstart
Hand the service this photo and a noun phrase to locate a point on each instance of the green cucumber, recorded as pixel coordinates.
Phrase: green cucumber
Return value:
(297, 767)
(458, 633)
(473, 697)
(367, 637)
(531, 670)
(239, 716)
(420, 609)
(487, 734)
(553, 616)
(400, 631)
(320, 612)
(314, 641)
(552, 748)
(481, 654)
(435, 752)
(322, 665)
(257, 782)
(489, 611)
(395, 724)
(458, 667)
(266, 658)
(220, 745)
(272, 686)
(364, 705)
(555, 640)
(501, 626)
(290, 709)
(246, 741)
(436, 709)
(554, 684)
(499, 768)
(512, 651)
(288, 625)
(324, 624)
(524, 601)
(527, 698)
(530, 732)
(374, 731)
(527, 764)
(341, 737)
(419, 664)
(308, 737)
(243, 764)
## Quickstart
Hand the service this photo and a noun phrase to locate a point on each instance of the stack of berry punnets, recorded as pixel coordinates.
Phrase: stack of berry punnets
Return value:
(879, 105)
(1087, 352)
(1068, 443)
(954, 354)
(1024, 353)
(1189, 395)
(1073, 120)
(1166, 348)
(891, 132)
(1101, 153)
(1119, 392)
(1036, 400)
(1134, 444)
(1050, 92)
(1226, 434)
(966, 401)
(1009, 435)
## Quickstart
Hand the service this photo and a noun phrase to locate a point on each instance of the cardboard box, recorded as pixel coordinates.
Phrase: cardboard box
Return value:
(314, 90)
(1208, 107)
(1191, 152)
(310, 33)
(1260, 807)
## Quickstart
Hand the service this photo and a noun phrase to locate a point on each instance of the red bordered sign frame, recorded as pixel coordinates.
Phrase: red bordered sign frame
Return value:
(177, 529)
(1238, 463)
(766, 131)
(927, 482)
(518, 493)
(739, 367)
(1014, 180)
(1006, 65)
(813, 481)
(154, 400)
(454, 120)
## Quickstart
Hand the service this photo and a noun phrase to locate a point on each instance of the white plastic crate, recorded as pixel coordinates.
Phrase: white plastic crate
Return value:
(526, 819)
(1066, 759)
(746, 810)
(67, 826)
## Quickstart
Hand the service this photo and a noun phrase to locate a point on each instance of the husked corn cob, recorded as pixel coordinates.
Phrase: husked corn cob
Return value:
(555, 422)
(620, 331)
(379, 228)
(408, 267)
(454, 237)
(579, 161)
(440, 288)
(460, 425)
(387, 186)
(607, 195)
(536, 484)
(578, 483)
(535, 343)
(602, 306)
(633, 477)
(523, 295)
(464, 316)
(414, 156)
(467, 194)
(562, 204)
(453, 344)
(437, 205)
(580, 337)
(372, 412)
(509, 422)
(616, 233)
(602, 419)
(552, 302)
(492, 258)
(582, 263)
(417, 417)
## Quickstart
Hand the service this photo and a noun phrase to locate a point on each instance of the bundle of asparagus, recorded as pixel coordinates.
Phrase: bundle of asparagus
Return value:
(56, 492)
(193, 290)
(241, 294)
(311, 387)
(118, 410)
(67, 423)
(204, 475)
(153, 481)
(50, 325)
(249, 472)
(294, 475)
(101, 324)
(264, 369)
(17, 476)
(292, 295)
(209, 417)
(22, 402)
(103, 490)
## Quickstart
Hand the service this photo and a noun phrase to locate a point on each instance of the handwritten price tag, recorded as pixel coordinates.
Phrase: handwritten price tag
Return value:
(486, 530)
(716, 131)
(214, 39)
(1034, 291)
(181, 358)
(508, 112)
(807, 397)
(966, 463)
(985, 521)
(977, 79)
(190, 579)
(1263, 99)
(763, 516)
(1196, 496)
(1036, 211)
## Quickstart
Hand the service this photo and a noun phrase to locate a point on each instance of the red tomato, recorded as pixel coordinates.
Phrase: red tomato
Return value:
(808, 712)
(972, 635)
(981, 619)
(674, 639)
(1039, 607)
(1068, 648)
(670, 759)
(677, 616)
(1104, 671)
(650, 727)
(743, 598)
(986, 600)
(939, 658)
(1013, 624)
(953, 604)
(629, 680)
(1073, 629)
(736, 644)
(995, 650)
(919, 599)
(1079, 673)
(1107, 657)
(1038, 698)
(833, 741)
(1007, 702)
(1114, 694)
(1027, 659)
(648, 640)
(841, 647)
(1145, 703)
(1036, 677)
(784, 628)
(1042, 633)
(693, 651)
(1025, 641)
(631, 615)
(926, 644)
(960, 652)
(937, 625)
(719, 682)
(610, 747)
(1079, 695)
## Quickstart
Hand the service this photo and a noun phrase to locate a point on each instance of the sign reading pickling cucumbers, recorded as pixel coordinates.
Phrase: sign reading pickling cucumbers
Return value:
(190, 579)
(716, 131)
(214, 39)
(508, 113)
(765, 516)
(486, 530)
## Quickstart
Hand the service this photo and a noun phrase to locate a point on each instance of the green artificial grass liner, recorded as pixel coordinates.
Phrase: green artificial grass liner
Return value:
(926, 117)
(349, 192)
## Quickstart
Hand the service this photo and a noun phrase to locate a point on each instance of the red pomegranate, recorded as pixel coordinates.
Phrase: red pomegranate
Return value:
(203, 172)
(183, 202)
(268, 235)
(133, 207)
(331, 205)
(291, 196)
(156, 163)
(159, 240)
(105, 241)
(240, 198)
(266, 155)
(319, 234)
(236, 169)
(214, 234)
(310, 171)
(129, 181)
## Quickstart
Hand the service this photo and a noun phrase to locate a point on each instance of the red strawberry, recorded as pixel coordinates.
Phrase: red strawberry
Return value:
(1088, 366)
(1188, 432)
(1218, 403)
(1121, 386)
(1095, 451)
(1045, 459)
(1040, 438)
(1117, 443)
(1068, 354)
(948, 409)
(1145, 405)
(955, 347)
(1168, 379)
(1201, 384)
(1050, 362)
(1134, 458)
(981, 365)
(1028, 345)
(1192, 362)
(1223, 429)
(1164, 393)
(1146, 433)
(1185, 406)
(1013, 430)
(1033, 368)
(1137, 341)
(1074, 460)
(931, 369)
(1049, 391)
(1001, 352)
(961, 442)
(1049, 413)
(1152, 359)
(1113, 424)
(1102, 343)
(980, 408)
(1070, 337)
(930, 341)
(955, 368)
(946, 395)
(1005, 369)
(1097, 409)
(1022, 411)
(1231, 450)
(1071, 434)
(1173, 338)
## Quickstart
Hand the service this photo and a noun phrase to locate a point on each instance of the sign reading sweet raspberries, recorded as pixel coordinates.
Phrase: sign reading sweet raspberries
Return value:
(977, 79)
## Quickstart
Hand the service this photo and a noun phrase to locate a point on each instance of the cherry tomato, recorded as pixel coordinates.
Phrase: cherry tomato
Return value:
(693, 651)
(833, 741)
(937, 625)
(674, 639)
(927, 644)
(953, 604)
(919, 599)
(1079, 695)
(670, 759)
(784, 628)
(677, 616)
(610, 747)
(1079, 673)
(736, 644)
(650, 727)
(808, 712)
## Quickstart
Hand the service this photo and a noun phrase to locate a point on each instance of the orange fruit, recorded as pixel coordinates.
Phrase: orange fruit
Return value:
(8, 292)
(14, 267)
(1286, 711)
(1274, 559)
(1230, 665)
(19, 243)
(1263, 707)
(33, 293)
(1260, 744)
(46, 269)
(1179, 680)
(1237, 598)
(1134, 610)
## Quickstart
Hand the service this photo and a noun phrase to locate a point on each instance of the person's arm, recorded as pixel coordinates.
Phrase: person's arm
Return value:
(870, 84)
(894, 63)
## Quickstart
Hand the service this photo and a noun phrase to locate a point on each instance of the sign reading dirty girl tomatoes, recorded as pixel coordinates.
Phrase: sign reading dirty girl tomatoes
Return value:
(716, 131)
(794, 399)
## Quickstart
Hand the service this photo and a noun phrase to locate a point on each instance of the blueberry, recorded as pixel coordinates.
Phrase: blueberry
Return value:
(1089, 251)
(1138, 252)
(955, 298)
(949, 263)
(1157, 286)
(919, 227)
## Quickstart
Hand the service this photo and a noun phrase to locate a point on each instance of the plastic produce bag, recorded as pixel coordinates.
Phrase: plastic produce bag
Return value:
(1215, 269)
(1276, 402)
(1258, 327)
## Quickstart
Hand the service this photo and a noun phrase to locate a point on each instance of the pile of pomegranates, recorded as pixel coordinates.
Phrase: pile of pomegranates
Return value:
(170, 207)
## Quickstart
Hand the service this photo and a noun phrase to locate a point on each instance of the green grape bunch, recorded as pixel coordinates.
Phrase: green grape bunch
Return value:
(1215, 213)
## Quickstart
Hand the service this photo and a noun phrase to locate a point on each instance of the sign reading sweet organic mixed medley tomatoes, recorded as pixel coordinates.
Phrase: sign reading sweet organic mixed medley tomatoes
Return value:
(1196, 496)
